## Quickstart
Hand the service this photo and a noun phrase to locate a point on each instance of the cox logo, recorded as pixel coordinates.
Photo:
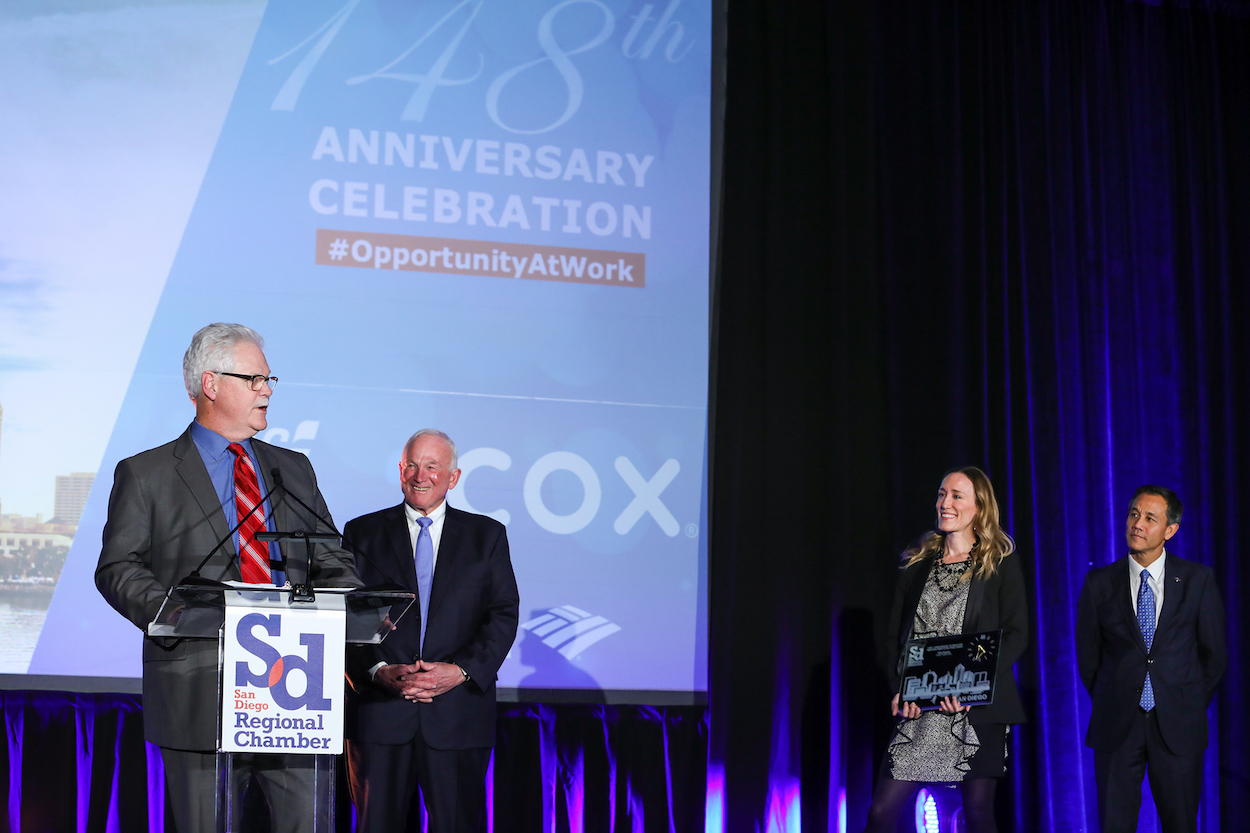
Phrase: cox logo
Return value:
(646, 498)
(278, 668)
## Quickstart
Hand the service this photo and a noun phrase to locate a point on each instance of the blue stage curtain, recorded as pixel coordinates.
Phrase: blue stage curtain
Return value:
(1083, 242)
(77, 763)
(1006, 234)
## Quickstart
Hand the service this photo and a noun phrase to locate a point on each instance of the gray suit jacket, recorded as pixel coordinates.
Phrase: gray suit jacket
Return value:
(164, 517)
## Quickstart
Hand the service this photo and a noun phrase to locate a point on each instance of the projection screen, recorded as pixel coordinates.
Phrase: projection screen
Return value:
(485, 216)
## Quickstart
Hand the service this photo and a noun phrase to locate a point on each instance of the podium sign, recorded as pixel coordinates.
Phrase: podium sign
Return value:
(282, 675)
(280, 682)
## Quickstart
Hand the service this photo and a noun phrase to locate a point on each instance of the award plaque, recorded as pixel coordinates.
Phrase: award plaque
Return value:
(963, 666)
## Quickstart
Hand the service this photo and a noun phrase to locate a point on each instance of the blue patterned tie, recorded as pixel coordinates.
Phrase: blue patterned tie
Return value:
(425, 571)
(1146, 621)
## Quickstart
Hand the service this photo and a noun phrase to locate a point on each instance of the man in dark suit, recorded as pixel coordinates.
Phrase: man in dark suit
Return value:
(169, 508)
(1150, 646)
(421, 706)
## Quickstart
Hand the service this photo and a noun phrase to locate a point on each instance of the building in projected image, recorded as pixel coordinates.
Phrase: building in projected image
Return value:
(71, 496)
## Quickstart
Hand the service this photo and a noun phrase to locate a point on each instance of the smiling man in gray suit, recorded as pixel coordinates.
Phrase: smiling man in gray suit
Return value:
(169, 508)
(1150, 646)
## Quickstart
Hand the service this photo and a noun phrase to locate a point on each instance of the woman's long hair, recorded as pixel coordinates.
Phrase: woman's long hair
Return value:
(992, 543)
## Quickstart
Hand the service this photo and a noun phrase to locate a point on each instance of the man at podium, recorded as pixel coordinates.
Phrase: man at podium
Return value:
(207, 494)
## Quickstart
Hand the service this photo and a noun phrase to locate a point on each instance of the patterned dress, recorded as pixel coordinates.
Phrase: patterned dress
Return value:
(936, 746)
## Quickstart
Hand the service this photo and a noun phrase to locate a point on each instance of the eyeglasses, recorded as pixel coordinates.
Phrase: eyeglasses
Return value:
(254, 382)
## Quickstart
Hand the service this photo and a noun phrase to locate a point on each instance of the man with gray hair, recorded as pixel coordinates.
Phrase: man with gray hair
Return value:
(169, 508)
(421, 707)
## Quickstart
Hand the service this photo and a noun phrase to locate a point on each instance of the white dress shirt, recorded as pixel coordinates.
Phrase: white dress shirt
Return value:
(438, 514)
(1156, 569)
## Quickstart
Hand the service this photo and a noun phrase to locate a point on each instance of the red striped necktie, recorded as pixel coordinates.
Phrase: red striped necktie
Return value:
(253, 554)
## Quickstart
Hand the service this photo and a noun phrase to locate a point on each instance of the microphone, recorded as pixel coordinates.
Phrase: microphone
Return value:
(301, 591)
(194, 577)
(390, 583)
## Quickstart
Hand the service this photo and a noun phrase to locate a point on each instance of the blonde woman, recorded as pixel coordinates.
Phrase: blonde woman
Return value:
(962, 577)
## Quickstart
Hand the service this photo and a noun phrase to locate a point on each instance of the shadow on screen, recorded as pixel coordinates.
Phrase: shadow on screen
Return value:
(552, 670)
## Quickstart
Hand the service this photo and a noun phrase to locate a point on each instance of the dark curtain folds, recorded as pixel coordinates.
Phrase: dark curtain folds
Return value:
(570, 768)
(78, 762)
(1005, 234)
(71, 764)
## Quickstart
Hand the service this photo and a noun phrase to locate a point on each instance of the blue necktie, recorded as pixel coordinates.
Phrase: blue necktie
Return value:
(1146, 621)
(425, 571)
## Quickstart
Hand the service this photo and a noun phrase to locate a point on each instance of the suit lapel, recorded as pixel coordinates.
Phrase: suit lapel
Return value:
(400, 546)
(972, 607)
(281, 520)
(1122, 600)
(190, 468)
(1175, 585)
(448, 559)
(911, 598)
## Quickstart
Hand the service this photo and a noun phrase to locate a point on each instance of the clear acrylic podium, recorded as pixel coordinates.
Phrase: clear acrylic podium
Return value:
(199, 611)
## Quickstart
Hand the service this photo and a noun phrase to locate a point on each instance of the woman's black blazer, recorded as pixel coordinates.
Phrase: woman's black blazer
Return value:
(997, 602)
